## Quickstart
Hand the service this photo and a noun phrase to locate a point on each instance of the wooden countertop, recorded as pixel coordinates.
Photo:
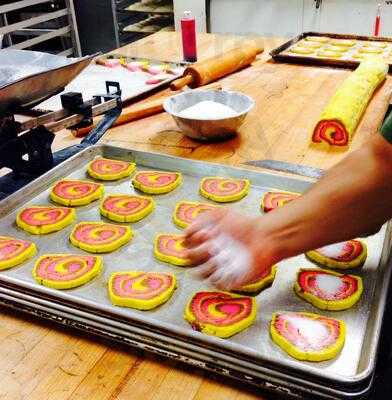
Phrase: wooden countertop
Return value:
(41, 361)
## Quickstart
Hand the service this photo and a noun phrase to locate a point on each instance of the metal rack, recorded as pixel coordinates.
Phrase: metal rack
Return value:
(31, 24)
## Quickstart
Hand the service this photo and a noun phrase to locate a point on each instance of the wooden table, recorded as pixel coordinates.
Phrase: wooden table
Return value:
(40, 361)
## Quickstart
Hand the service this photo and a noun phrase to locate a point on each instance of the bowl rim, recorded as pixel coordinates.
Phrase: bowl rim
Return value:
(251, 105)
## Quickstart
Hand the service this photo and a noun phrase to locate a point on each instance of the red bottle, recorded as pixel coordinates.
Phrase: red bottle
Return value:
(188, 31)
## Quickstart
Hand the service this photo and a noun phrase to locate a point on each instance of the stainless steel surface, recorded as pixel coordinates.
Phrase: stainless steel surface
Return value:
(283, 166)
(251, 353)
(44, 74)
(203, 129)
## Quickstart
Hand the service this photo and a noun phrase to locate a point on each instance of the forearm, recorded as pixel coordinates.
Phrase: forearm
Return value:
(353, 199)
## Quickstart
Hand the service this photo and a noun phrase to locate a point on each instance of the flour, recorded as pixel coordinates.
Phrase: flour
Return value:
(328, 284)
(313, 331)
(208, 110)
(333, 250)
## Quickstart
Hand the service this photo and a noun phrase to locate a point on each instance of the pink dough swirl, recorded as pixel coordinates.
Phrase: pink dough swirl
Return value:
(103, 166)
(188, 212)
(143, 286)
(98, 234)
(306, 333)
(40, 216)
(220, 309)
(223, 187)
(172, 245)
(125, 205)
(274, 200)
(64, 268)
(11, 248)
(74, 189)
(156, 179)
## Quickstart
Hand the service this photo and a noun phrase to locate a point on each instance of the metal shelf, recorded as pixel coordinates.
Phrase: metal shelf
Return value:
(151, 24)
(151, 6)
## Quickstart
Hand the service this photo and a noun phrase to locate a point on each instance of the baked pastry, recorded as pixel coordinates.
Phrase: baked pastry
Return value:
(76, 193)
(371, 50)
(220, 314)
(272, 200)
(328, 290)
(265, 280)
(156, 182)
(66, 271)
(106, 169)
(223, 190)
(15, 251)
(141, 290)
(341, 116)
(170, 248)
(342, 42)
(187, 211)
(99, 237)
(309, 44)
(306, 336)
(329, 54)
(380, 45)
(40, 220)
(336, 49)
(344, 255)
(301, 50)
(320, 39)
(126, 208)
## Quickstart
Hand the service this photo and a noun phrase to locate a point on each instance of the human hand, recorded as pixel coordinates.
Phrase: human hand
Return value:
(233, 249)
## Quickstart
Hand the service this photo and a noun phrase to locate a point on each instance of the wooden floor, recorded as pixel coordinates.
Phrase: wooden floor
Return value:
(39, 361)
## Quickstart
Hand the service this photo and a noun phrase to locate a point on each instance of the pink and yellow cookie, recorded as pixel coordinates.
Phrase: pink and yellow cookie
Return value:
(328, 290)
(344, 255)
(40, 220)
(126, 208)
(66, 271)
(76, 193)
(264, 280)
(171, 248)
(272, 200)
(223, 190)
(156, 182)
(15, 251)
(306, 336)
(99, 237)
(141, 290)
(220, 314)
(106, 169)
(187, 211)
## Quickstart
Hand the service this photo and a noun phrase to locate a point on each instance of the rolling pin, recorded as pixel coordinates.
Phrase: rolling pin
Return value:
(216, 67)
(137, 111)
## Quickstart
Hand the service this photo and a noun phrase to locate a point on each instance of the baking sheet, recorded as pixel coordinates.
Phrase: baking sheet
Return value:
(282, 53)
(354, 365)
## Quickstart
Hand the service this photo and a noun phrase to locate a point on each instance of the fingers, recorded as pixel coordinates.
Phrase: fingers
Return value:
(205, 221)
(204, 270)
(199, 253)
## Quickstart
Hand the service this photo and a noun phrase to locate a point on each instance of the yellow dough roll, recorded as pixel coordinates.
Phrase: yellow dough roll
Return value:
(341, 116)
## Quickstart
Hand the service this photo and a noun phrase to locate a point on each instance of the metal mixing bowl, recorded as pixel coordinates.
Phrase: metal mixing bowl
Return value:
(210, 129)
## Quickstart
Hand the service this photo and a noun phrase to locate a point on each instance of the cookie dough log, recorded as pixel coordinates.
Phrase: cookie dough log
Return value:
(141, 290)
(328, 290)
(306, 336)
(14, 251)
(220, 314)
(106, 169)
(341, 116)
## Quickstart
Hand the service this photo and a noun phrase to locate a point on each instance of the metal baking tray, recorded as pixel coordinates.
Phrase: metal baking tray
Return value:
(250, 355)
(281, 53)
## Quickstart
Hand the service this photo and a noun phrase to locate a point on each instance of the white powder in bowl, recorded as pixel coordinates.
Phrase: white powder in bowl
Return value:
(208, 110)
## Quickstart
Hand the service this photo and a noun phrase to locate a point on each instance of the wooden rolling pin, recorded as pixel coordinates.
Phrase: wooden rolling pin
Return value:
(137, 111)
(210, 70)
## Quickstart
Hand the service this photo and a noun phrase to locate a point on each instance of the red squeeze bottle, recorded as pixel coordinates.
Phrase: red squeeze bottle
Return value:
(378, 20)
(188, 31)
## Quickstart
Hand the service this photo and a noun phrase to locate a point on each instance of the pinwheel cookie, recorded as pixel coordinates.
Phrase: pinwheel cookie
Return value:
(66, 271)
(220, 314)
(76, 193)
(272, 200)
(306, 336)
(170, 248)
(344, 255)
(265, 280)
(156, 182)
(106, 169)
(126, 208)
(15, 251)
(187, 211)
(223, 190)
(40, 220)
(141, 290)
(98, 237)
(328, 290)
